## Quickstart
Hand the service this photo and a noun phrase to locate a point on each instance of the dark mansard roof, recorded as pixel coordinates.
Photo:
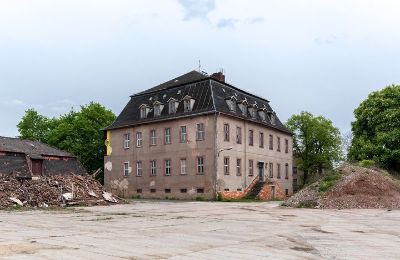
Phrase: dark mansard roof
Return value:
(209, 95)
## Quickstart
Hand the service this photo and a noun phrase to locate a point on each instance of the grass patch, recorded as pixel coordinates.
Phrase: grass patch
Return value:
(328, 182)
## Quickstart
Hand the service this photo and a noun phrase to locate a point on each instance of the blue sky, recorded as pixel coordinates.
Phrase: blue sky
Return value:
(319, 56)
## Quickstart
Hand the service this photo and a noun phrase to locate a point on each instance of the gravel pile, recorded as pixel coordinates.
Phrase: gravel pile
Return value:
(54, 191)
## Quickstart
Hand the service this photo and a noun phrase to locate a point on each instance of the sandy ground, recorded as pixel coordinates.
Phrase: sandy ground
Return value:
(199, 230)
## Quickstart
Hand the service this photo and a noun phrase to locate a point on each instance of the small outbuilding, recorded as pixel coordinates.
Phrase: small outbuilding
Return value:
(26, 159)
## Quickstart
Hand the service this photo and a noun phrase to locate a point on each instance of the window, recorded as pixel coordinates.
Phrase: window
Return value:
(261, 140)
(226, 165)
(139, 140)
(200, 165)
(143, 111)
(238, 167)
(278, 140)
(183, 134)
(168, 167)
(239, 189)
(153, 168)
(253, 112)
(251, 137)
(126, 169)
(127, 139)
(167, 190)
(200, 132)
(172, 106)
(200, 190)
(261, 113)
(167, 135)
(139, 168)
(251, 169)
(186, 104)
(271, 142)
(157, 110)
(231, 102)
(139, 191)
(271, 170)
(226, 189)
(273, 118)
(238, 135)
(243, 108)
(278, 175)
(226, 132)
(153, 190)
(286, 146)
(153, 137)
(183, 190)
(183, 166)
(287, 171)
(286, 192)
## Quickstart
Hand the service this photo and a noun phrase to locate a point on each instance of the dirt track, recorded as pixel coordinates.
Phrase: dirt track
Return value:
(199, 230)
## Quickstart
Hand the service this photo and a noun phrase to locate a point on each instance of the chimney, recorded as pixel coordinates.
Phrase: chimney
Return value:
(219, 76)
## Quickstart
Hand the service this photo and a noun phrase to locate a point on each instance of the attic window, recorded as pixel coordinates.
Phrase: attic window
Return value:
(253, 111)
(262, 115)
(172, 106)
(157, 108)
(188, 103)
(243, 108)
(143, 111)
(231, 102)
(272, 117)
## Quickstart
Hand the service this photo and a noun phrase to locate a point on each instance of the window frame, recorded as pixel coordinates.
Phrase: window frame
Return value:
(278, 143)
(226, 165)
(167, 167)
(153, 168)
(238, 135)
(286, 171)
(139, 139)
(167, 136)
(139, 170)
(251, 137)
(181, 166)
(200, 167)
(153, 138)
(271, 142)
(278, 170)
(126, 169)
(183, 135)
(226, 132)
(251, 167)
(271, 170)
(238, 166)
(286, 145)
(261, 139)
(127, 140)
(200, 132)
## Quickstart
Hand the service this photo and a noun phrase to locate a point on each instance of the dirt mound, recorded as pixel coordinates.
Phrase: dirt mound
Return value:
(53, 191)
(357, 187)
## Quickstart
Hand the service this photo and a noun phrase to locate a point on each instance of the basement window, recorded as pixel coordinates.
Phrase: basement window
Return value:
(183, 190)
(153, 190)
(200, 190)
(226, 189)
(139, 191)
(167, 190)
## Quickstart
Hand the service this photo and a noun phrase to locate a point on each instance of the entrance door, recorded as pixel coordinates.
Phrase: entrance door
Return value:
(261, 171)
(272, 192)
(36, 167)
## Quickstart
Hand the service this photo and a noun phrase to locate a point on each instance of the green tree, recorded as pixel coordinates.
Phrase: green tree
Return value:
(376, 129)
(34, 126)
(316, 142)
(76, 132)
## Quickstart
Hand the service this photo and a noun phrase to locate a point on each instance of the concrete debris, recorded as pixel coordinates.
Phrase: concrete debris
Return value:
(109, 197)
(17, 201)
(53, 191)
(358, 188)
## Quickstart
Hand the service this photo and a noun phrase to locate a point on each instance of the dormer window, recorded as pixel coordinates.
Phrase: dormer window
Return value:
(172, 106)
(188, 103)
(157, 108)
(243, 107)
(231, 102)
(262, 114)
(253, 111)
(272, 117)
(144, 110)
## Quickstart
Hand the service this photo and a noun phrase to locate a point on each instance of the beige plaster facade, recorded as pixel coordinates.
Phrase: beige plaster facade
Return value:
(213, 149)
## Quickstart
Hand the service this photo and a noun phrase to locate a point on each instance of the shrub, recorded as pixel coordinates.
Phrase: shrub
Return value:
(367, 163)
(328, 182)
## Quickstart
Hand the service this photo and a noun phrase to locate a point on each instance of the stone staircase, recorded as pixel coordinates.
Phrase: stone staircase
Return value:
(255, 190)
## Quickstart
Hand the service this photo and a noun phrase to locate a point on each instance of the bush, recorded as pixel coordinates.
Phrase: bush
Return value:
(199, 198)
(367, 163)
(328, 182)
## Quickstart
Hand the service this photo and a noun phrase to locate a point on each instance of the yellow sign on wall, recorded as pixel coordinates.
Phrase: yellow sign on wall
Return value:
(107, 143)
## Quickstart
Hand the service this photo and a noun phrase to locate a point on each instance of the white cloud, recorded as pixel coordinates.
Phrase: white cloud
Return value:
(197, 8)
(15, 103)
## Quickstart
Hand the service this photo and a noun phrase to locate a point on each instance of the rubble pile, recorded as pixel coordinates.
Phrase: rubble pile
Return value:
(358, 187)
(54, 191)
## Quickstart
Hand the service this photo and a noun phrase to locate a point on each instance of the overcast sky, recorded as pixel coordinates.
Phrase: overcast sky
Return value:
(319, 56)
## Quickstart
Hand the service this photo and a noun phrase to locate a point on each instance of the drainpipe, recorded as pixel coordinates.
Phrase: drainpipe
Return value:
(215, 156)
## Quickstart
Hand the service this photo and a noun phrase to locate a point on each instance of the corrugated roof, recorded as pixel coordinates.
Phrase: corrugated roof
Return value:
(16, 145)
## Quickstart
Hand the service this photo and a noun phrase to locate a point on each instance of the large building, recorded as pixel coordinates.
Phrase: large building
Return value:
(197, 136)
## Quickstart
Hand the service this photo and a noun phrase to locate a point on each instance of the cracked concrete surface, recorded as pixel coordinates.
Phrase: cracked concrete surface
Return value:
(199, 230)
